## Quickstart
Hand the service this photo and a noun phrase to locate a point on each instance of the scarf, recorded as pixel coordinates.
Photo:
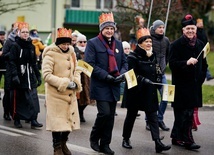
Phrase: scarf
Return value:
(192, 41)
(112, 69)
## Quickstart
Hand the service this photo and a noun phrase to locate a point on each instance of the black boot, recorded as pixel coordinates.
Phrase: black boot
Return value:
(57, 148)
(163, 126)
(35, 124)
(159, 146)
(126, 144)
(106, 150)
(17, 123)
(147, 126)
(7, 117)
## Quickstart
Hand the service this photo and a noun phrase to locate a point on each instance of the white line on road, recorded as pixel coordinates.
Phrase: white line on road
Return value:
(10, 133)
(16, 130)
(83, 149)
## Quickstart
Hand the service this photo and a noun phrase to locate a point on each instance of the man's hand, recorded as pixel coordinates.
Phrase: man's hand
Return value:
(120, 78)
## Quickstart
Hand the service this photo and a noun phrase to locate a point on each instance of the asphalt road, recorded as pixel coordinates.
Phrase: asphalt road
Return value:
(27, 141)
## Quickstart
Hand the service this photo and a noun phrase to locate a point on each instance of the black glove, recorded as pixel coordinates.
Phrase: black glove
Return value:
(15, 80)
(39, 82)
(110, 79)
(147, 81)
(120, 79)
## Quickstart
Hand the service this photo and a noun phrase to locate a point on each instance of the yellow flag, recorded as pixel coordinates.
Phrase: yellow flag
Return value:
(1, 45)
(85, 67)
(168, 92)
(131, 78)
(206, 49)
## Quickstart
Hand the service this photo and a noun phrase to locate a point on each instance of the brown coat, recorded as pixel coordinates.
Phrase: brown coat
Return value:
(58, 70)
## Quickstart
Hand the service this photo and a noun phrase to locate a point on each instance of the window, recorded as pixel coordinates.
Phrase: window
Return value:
(75, 3)
(104, 4)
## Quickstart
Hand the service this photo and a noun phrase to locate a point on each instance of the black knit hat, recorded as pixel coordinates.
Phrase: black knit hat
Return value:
(2, 32)
(188, 20)
(63, 40)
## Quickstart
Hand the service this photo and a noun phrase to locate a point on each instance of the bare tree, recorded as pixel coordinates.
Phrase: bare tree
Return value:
(13, 5)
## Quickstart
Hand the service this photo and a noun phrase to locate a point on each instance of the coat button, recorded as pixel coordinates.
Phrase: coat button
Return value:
(69, 68)
(68, 59)
(69, 94)
(73, 113)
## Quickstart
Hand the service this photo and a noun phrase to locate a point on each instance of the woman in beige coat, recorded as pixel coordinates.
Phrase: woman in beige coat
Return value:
(62, 81)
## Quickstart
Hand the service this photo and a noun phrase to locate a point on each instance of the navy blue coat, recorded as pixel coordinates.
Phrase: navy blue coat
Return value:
(96, 55)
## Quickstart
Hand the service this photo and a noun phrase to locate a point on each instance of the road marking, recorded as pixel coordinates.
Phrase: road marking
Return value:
(16, 130)
(83, 149)
(10, 133)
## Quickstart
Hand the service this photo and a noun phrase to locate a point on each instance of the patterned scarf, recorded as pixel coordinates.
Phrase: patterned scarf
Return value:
(112, 69)
(192, 41)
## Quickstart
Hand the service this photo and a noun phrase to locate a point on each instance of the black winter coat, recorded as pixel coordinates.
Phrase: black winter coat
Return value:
(188, 79)
(143, 96)
(22, 63)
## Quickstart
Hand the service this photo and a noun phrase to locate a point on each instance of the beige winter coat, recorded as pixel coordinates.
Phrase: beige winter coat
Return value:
(58, 70)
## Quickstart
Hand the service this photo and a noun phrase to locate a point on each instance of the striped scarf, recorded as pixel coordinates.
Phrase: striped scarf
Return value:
(112, 69)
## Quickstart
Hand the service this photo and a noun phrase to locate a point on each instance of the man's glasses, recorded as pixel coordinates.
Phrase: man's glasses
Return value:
(82, 42)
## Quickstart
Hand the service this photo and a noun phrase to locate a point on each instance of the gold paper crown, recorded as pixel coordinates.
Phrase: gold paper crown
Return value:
(106, 17)
(137, 19)
(16, 24)
(142, 32)
(22, 25)
(199, 20)
(64, 33)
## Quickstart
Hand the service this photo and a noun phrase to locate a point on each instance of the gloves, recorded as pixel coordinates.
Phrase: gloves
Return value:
(16, 80)
(72, 85)
(120, 79)
(39, 82)
(110, 79)
(147, 81)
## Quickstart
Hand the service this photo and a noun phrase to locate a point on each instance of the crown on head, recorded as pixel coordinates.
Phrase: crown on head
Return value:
(22, 25)
(106, 17)
(199, 20)
(142, 32)
(63, 32)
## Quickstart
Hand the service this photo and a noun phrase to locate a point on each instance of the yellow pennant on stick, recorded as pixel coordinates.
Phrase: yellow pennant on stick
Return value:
(1, 45)
(85, 67)
(131, 79)
(168, 92)
(206, 49)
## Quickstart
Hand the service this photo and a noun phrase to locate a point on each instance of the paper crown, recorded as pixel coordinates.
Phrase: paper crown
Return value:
(142, 32)
(199, 20)
(64, 33)
(138, 19)
(106, 17)
(22, 25)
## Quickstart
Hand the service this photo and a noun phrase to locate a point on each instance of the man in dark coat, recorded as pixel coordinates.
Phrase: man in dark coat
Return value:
(105, 54)
(188, 74)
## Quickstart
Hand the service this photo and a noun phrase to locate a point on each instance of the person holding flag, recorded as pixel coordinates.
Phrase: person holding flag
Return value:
(188, 67)
(143, 96)
(105, 54)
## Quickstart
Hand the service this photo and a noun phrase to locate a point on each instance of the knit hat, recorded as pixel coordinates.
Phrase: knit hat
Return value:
(126, 44)
(105, 20)
(81, 37)
(157, 23)
(63, 36)
(2, 32)
(188, 20)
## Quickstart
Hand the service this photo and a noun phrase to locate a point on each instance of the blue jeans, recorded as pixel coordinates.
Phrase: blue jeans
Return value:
(163, 104)
(208, 74)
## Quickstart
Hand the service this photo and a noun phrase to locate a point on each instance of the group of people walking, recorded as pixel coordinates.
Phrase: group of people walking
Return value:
(65, 82)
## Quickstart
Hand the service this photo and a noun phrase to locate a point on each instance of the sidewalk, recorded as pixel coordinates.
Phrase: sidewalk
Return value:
(211, 82)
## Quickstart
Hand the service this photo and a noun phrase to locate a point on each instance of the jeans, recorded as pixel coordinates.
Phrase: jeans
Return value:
(163, 104)
(208, 74)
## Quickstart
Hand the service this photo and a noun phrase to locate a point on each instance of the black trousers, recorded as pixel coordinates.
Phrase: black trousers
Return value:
(59, 136)
(103, 126)
(130, 119)
(6, 101)
(182, 128)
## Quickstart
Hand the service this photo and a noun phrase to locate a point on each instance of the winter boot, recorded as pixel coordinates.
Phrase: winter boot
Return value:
(159, 146)
(65, 149)
(58, 150)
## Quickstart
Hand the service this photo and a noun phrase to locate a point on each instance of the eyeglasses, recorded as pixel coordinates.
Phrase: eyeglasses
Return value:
(82, 42)
(24, 32)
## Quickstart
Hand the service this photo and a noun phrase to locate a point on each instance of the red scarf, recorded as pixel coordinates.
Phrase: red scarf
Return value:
(112, 69)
